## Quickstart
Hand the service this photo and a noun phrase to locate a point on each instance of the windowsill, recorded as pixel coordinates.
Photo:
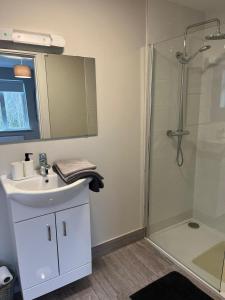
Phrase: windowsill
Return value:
(16, 131)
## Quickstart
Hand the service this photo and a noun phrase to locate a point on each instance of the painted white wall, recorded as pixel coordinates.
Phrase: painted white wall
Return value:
(113, 32)
(168, 20)
(217, 14)
(206, 6)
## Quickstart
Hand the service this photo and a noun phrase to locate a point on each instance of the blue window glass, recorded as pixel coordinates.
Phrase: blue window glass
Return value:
(13, 106)
(18, 103)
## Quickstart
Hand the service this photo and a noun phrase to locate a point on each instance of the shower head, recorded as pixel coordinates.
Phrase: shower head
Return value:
(215, 36)
(204, 48)
(186, 59)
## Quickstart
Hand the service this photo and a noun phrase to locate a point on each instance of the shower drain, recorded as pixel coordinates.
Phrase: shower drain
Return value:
(193, 225)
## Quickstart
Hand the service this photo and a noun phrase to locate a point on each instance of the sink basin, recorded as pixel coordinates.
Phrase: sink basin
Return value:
(39, 191)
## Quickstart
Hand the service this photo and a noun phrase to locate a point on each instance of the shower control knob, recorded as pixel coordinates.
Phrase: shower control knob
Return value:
(169, 132)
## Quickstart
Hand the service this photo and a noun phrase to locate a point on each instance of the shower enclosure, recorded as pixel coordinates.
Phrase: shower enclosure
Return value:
(186, 215)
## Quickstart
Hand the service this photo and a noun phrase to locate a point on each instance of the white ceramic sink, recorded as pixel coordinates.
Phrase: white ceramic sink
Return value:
(39, 191)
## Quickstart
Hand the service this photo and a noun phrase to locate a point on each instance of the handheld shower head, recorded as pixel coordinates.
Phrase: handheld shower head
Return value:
(204, 48)
(186, 59)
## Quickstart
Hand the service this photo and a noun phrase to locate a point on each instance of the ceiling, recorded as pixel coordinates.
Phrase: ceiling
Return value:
(205, 6)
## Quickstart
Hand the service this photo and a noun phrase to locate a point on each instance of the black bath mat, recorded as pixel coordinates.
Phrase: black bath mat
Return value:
(173, 286)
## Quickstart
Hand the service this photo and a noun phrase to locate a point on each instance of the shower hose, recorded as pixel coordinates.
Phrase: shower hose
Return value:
(180, 155)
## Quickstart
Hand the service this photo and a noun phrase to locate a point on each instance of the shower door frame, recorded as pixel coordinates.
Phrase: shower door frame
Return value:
(148, 116)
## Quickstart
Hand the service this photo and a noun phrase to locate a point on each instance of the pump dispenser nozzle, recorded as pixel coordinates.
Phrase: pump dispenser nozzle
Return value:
(27, 156)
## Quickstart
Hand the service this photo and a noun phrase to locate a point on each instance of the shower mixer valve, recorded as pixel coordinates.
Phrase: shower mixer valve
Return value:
(178, 132)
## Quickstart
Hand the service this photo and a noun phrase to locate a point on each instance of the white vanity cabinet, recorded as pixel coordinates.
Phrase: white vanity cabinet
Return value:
(74, 243)
(36, 250)
(43, 254)
(52, 243)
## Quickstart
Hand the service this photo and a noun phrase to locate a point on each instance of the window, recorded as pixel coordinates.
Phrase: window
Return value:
(18, 103)
(13, 106)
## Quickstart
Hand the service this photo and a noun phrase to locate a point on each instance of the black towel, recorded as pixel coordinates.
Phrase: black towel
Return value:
(95, 184)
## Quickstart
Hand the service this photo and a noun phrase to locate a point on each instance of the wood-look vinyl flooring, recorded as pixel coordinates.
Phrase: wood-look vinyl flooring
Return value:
(121, 273)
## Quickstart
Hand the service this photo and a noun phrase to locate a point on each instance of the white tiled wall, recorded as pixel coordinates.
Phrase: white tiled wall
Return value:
(171, 187)
(209, 203)
(199, 184)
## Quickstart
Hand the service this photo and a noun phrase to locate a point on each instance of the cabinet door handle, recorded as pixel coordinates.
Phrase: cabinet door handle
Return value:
(49, 233)
(64, 229)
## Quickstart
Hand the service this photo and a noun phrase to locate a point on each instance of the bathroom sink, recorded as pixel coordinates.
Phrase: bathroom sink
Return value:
(39, 191)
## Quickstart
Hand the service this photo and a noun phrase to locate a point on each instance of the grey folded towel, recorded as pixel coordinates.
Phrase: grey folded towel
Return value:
(71, 166)
(95, 184)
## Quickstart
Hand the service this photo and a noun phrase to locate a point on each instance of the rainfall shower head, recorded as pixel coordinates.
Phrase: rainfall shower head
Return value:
(186, 59)
(215, 36)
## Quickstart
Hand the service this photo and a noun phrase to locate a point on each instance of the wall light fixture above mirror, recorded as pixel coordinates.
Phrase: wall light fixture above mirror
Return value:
(31, 38)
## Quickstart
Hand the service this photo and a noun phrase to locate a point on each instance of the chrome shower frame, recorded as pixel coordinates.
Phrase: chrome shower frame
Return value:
(148, 127)
(192, 26)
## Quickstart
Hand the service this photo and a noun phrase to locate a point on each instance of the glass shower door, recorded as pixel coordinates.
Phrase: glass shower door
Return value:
(171, 187)
(187, 204)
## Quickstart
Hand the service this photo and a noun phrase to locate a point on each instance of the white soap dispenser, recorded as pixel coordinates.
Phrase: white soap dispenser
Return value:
(28, 165)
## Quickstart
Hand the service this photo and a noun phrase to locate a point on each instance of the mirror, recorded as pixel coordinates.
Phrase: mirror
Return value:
(46, 96)
(72, 95)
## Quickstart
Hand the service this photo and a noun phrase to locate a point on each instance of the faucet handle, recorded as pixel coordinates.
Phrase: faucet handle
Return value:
(27, 156)
(43, 159)
(43, 156)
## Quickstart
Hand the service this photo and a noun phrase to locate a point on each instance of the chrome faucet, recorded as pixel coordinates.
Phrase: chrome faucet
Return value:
(44, 166)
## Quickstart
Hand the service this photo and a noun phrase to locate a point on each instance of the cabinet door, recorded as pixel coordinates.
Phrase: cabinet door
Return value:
(74, 237)
(36, 250)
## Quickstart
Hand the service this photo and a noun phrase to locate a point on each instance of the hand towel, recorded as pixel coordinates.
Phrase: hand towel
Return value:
(71, 166)
(95, 184)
